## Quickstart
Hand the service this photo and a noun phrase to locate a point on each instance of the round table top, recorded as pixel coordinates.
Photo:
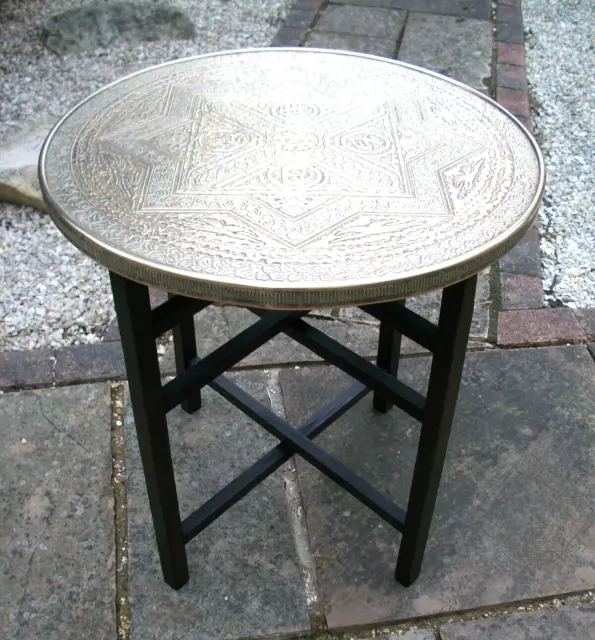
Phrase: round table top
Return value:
(291, 178)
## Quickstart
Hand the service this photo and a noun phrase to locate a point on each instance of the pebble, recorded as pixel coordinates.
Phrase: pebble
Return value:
(53, 295)
(560, 62)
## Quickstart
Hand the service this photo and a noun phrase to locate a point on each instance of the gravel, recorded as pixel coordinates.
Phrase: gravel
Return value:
(52, 295)
(33, 79)
(560, 51)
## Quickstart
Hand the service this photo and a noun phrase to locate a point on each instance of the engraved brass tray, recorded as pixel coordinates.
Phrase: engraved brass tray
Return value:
(291, 178)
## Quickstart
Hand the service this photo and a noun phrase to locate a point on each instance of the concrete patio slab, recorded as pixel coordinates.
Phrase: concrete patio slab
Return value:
(86, 362)
(27, 369)
(466, 8)
(520, 292)
(524, 259)
(568, 623)
(348, 42)
(586, 318)
(56, 500)
(515, 513)
(457, 47)
(373, 22)
(245, 578)
(518, 328)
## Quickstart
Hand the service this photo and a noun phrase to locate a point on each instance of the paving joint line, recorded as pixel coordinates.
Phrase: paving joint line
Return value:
(495, 287)
(54, 360)
(118, 480)
(494, 58)
(295, 508)
(401, 35)
(434, 622)
(308, 30)
(553, 342)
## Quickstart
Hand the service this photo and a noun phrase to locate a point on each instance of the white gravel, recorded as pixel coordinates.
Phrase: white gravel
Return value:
(560, 53)
(52, 295)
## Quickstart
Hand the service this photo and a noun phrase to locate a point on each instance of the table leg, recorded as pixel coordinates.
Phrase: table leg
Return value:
(142, 367)
(454, 325)
(389, 353)
(185, 352)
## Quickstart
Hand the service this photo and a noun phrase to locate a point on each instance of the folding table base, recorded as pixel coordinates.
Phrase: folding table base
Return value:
(151, 401)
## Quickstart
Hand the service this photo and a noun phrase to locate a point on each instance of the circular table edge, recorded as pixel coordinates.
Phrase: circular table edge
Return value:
(294, 297)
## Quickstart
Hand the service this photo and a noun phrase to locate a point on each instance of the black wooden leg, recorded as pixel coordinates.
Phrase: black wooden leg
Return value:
(454, 325)
(389, 353)
(185, 352)
(142, 367)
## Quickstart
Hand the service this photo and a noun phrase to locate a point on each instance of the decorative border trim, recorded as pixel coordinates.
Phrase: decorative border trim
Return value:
(288, 299)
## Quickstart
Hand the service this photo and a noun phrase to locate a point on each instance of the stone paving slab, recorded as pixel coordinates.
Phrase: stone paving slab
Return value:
(524, 258)
(515, 510)
(56, 500)
(348, 42)
(465, 8)
(373, 22)
(26, 369)
(86, 362)
(457, 47)
(298, 18)
(586, 318)
(216, 325)
(564, 624)
(245, 579)
(520, 292)
(517, 328)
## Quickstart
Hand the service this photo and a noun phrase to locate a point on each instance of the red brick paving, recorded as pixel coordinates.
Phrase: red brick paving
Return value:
(518, 328)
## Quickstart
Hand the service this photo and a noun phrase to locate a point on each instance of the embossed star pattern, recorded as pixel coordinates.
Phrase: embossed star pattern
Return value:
(305, 166)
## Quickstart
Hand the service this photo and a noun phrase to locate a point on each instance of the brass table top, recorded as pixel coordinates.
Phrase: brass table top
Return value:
(291, 178)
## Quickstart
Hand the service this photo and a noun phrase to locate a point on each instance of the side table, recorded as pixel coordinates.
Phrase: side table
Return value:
(285, 180)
